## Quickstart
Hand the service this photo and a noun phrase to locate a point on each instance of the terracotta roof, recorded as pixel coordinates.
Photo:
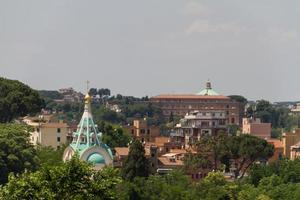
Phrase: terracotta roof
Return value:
(166, 161)
(122, 151)
(276, 143)
(296, 145)
(162, 139)
(55, 125)
(188, 96)
(180, 151)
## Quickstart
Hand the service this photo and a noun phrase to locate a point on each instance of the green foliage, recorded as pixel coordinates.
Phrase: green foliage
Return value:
(240, 151)
(233, 129)
(113, 135)
(279, 117)
(238, 98)
(48, 156)
(136, 164)
(173, 186)
(194, 162)
(72, 180)
(50, 94)
(107, 115)
(287, 170)
(247, 149)
(17, 99)
(214, 186)
(16, 152)
(143, 110)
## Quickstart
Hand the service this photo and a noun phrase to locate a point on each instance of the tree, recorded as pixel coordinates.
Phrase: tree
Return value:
(172, 186)
(72, 180)
(171, 117)
(104, 92)
(17, 154)
(48, 156)
(93, 91)
(194, 162)
(215, 186)
(50, 94)
(136, 164)
(238, 98)
(114, 136)
(17, 100)
(244, 150)
(213, 147)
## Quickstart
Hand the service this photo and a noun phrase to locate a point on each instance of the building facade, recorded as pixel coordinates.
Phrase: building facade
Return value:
(47, 133)
(141, 130)
(204, 101)
(256, 128)
(197, 124)
(289, 140)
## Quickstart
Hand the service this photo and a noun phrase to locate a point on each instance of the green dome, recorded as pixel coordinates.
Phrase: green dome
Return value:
(208, 91)
(96, 158)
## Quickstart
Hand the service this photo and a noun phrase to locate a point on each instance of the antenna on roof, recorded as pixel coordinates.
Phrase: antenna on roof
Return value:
(208, 84)
(87, 86)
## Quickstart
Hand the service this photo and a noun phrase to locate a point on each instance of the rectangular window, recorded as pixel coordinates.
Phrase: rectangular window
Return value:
(58, 130)
(58, 139)
(232, 120)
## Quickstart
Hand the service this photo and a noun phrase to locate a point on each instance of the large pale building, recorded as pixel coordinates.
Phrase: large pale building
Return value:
(47, 133)
(205, 101)
(197, 124)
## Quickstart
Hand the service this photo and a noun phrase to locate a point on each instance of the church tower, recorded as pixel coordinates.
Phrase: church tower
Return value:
(87, 141)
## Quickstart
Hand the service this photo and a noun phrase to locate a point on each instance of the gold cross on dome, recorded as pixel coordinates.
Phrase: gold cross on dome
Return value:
(87, 86)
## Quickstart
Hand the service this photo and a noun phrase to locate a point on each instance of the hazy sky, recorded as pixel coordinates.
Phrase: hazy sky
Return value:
(148, 47)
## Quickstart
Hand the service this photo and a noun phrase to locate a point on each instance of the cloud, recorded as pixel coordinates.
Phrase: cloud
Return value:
(195, 8)
(205, 26)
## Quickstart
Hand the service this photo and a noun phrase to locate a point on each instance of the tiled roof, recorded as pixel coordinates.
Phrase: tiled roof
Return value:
(180, 151)
(166, 162)
(189, 96)
(276, 143)
(122, 151)
(55, 125)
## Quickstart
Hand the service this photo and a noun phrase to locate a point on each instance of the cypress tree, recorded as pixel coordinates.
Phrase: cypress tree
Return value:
(136, 164)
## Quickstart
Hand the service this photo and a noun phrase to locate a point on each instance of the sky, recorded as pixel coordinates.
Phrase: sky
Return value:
(150, 47)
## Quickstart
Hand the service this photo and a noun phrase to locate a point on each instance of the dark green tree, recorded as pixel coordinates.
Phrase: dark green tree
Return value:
(72, 180)
(136, 164)
(93, 91)
(17, 99)
(245, 150)
(114, 136)
(49, 156)
(17, 154)
(238, 98)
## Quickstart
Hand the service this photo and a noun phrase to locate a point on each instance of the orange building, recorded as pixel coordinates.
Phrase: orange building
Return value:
(256, 128)
(278, 150)
(141, 130)
(295, 151)
(289, 140)
(206, 100)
